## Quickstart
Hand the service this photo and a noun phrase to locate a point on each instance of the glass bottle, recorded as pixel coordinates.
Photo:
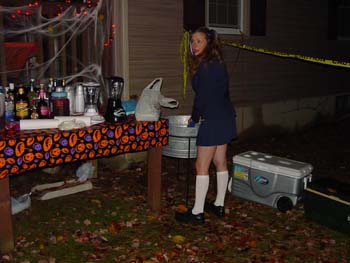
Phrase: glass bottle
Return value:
(54, 85)
(10, 103)
(59, 104)
(21, 104)
(31, 94)
(42, 105)
(50, 87)
(2, 109)
(34, 113)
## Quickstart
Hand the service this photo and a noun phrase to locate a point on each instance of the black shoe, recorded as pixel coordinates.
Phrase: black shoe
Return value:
(188, 217)
(219, 211)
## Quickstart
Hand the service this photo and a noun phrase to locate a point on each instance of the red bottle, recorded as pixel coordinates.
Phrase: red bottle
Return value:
(42, 105)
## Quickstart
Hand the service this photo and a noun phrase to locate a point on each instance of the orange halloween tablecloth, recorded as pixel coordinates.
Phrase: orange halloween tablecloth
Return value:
(22, 151)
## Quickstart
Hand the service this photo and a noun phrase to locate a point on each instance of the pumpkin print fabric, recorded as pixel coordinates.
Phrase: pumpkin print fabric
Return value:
(22, 151)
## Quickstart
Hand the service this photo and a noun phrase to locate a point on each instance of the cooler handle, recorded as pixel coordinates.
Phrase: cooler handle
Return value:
(307, 179)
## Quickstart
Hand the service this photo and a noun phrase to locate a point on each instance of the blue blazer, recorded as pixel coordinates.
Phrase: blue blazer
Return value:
(211, 86)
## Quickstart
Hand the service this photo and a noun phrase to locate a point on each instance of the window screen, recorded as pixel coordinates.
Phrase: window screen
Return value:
(224, 13)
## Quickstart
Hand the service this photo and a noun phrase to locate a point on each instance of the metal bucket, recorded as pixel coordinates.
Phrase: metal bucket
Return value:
(182, 139)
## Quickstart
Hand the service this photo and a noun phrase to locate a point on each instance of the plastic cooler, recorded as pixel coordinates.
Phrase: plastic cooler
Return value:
(270, 180)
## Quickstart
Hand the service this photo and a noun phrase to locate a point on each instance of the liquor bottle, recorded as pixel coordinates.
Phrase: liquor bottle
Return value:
(31, 94)
(49, 87)
(37, 87)
(59, 103)
(10, 103)
(21, 104)
(34, 113)
(55, 86)
(2, 109)
(42, 105)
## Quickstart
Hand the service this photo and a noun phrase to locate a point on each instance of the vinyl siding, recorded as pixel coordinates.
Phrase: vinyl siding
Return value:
(297, 27)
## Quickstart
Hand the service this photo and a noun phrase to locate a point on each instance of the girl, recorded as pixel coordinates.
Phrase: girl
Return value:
(213, 109)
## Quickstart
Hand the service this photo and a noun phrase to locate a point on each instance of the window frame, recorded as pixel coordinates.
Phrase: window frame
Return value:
(243, 18)
(339, 8)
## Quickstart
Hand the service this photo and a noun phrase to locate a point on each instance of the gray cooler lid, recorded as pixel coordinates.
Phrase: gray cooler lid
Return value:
(273, 164)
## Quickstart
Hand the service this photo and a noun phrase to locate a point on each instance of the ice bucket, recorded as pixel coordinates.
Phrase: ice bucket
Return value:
(182, 139)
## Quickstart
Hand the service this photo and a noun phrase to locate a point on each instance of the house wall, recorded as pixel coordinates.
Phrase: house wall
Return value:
(267, 91)
(155, 33)
(297, 27)
(287, 93)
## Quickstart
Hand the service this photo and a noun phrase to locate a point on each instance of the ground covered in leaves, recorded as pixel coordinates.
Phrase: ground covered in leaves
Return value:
(112, 222)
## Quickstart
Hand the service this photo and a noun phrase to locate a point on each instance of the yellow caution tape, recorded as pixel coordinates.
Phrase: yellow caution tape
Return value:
(286, 55)
(184, 60)
(185, 45)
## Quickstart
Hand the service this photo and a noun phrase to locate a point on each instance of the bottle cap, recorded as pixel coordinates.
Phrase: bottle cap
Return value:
(59, 89)
(68, 88)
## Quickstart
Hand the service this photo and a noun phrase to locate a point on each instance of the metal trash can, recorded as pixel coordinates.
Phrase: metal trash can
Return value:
(182, 139)
(182, 143)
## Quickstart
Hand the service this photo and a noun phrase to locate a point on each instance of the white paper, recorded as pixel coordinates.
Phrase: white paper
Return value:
(85, 119)
(38, 124)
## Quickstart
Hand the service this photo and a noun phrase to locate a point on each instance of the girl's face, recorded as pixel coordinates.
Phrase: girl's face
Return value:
(199, 43)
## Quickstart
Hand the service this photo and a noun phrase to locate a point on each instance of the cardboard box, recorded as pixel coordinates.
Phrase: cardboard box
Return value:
(327, 202)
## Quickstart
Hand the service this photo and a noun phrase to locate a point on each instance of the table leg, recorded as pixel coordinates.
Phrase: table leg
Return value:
(154, 163)
(94, 163)
(6, 233)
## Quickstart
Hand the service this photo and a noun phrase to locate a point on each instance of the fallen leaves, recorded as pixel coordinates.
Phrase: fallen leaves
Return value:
(113, 224)
(178, 239)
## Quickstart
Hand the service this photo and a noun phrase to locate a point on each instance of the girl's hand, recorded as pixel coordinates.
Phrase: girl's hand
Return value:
(191, 123)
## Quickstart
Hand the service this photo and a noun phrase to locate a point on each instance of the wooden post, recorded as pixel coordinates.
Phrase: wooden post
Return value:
(154, 164)
(6, 233)
(2, 55)
(85, 48)
(120, 45)
(74, 58)
(51, 48)
(63, 54)
(40, 56)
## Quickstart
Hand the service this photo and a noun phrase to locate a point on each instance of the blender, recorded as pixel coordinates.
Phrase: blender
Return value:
(91, 95)
(115, 111)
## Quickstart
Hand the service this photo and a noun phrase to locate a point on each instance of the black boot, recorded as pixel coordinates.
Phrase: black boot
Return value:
(219, 211)
(188, 217)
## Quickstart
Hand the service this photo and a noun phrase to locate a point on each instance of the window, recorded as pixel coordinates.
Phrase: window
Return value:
(343, 19)
(225, 16)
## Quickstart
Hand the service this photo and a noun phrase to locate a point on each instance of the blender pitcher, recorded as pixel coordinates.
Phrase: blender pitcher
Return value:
(91, 95)
(115, 111)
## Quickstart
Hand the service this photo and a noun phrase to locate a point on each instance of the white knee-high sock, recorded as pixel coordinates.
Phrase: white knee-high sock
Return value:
(222, 180)
(202, 185)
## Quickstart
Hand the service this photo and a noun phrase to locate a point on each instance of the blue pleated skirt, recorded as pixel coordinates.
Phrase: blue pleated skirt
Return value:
(216, 132)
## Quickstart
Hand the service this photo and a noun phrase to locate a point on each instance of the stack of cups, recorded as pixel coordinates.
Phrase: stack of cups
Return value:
(79, 100)
(71, 97)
